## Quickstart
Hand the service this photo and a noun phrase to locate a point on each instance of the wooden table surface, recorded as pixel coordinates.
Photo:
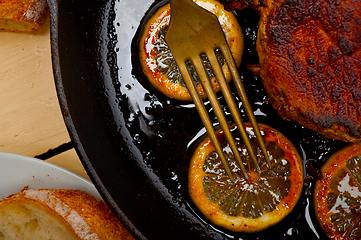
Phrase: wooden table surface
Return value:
(31, 122)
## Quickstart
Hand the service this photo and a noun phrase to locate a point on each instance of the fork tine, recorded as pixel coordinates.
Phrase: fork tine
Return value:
(204, 115)
(242, 93)
(232, 107)
(193, 29)
(217, 109)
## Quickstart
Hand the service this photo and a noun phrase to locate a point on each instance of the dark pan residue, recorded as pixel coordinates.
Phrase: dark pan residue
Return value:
(136, 144)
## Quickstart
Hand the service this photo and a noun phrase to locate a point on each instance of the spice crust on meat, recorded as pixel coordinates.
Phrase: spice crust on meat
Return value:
(310, 62)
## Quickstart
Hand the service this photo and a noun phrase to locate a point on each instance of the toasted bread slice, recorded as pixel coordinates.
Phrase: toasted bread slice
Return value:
(58, 214)
(22, 15)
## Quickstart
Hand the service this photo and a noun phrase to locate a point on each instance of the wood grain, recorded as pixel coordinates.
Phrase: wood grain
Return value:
(31, 122)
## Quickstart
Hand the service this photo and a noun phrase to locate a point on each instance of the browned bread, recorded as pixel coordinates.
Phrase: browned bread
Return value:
(22, 15)
(58, 214)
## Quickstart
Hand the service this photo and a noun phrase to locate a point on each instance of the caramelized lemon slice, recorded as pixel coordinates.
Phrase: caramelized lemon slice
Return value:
(338, 194)
(253, 204)
(157, 61)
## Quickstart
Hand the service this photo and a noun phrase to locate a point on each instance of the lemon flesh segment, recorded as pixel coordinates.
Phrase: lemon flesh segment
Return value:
(338, 194)
(159, 65)
(253, 204)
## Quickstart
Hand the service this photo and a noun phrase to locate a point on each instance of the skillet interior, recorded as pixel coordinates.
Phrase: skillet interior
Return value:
(87, 95)
(134, 143)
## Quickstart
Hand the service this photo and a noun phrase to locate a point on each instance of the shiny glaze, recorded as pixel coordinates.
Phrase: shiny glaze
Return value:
(176, 129)
(157, 135)
(166, 131)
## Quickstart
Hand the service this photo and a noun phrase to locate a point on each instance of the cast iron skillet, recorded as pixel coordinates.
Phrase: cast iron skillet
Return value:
(134, 143)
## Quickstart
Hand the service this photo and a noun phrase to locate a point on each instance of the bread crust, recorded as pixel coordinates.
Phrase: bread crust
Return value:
(86, 216)
(23, 15)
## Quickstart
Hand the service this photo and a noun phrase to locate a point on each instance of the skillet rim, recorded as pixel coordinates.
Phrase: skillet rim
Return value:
(75, 139)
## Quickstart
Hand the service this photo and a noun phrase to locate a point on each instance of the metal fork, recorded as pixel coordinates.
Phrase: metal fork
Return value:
(194, 31)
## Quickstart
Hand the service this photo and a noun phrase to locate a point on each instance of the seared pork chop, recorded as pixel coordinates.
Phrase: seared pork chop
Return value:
(310, 58)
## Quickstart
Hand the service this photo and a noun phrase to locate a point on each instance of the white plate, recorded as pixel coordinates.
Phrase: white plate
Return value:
(17, 171)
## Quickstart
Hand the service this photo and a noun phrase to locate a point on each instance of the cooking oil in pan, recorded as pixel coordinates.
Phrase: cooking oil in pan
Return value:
(165, 132)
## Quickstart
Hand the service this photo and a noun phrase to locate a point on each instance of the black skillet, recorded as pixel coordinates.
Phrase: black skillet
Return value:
(134, 143)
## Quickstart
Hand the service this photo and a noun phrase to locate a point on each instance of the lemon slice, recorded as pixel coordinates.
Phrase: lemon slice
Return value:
(338, 194)
(253, 204)
(157, 61)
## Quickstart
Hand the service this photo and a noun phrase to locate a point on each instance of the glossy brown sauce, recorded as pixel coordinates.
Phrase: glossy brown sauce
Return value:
(166, 131)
